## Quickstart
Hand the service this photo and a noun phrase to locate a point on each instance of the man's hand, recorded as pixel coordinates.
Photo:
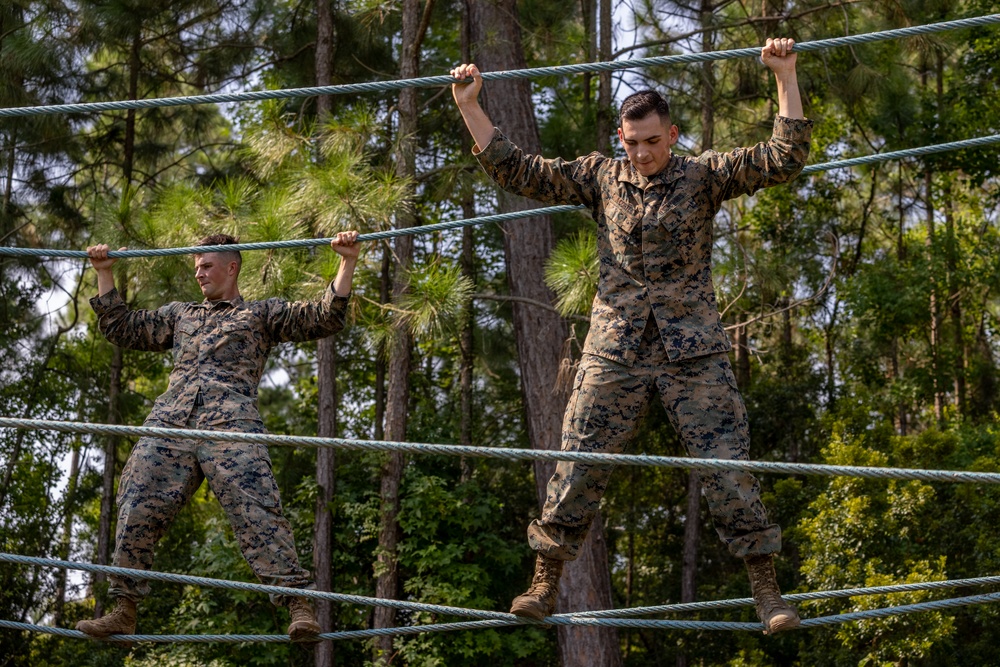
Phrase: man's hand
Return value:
(99, 259)
(777, 54)
(466, 93)
(346, 245)
(467, 98)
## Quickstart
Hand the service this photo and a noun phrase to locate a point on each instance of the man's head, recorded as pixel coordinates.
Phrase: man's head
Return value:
(646, 132)
(217, 272)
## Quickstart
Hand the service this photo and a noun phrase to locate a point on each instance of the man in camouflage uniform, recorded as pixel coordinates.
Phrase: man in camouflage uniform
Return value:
(655, 325)
(219, 347)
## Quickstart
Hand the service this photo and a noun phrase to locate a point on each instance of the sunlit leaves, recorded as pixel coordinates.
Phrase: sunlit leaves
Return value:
(571, 272)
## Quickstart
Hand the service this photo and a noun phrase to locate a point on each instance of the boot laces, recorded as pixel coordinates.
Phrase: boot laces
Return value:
(300, 610)
(766, 595)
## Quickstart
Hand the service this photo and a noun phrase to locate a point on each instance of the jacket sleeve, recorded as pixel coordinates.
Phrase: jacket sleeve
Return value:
(554, 181)
(145, 330)
(776, 161)
(299, 321)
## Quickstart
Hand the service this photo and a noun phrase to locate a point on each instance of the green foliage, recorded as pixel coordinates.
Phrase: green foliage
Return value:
(831, 277)
(572, 271)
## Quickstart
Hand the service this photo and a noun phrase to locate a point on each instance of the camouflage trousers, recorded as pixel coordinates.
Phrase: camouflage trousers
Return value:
(603, 413)
(162, 474)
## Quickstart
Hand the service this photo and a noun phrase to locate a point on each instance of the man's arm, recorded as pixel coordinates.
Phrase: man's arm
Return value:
(99, 259)
(310, 320)
(346, 245)
(554, 181)
(777, 54)
(148, 330)
(467, 98)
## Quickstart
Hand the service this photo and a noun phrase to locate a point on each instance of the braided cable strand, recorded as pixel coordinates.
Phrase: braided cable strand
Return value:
(497, 619)
(789, 597)
(867, 472)
(298, 243)
(936, 605)
(255, 587)
(559, 70)
(206, 582)
(975, 142)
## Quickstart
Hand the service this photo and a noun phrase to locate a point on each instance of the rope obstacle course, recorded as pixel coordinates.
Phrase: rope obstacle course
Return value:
(488, 619)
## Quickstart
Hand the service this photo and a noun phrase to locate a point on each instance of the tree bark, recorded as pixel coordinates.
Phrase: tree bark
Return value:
(604, 118)
(65, 542)
(326, 480)
(539, 333)
(689, 557)
(104, 534)
(692, 526)
(387, 583)
(326, 380)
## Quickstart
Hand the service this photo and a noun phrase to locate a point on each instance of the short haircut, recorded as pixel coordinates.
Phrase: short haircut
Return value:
(639, 105)
(224, 239)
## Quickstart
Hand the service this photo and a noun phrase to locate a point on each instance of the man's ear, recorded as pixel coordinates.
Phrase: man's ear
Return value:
(673, 135)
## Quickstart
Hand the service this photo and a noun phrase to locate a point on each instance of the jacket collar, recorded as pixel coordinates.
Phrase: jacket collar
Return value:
(673, 171)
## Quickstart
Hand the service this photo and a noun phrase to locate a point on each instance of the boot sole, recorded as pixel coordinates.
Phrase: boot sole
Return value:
(783, 625)
(528, 611)
(304, 633)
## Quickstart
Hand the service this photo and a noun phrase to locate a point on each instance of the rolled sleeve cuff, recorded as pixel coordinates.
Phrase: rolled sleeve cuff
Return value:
(335, 300)
(792, 129)
(105, 302)
(495, 151)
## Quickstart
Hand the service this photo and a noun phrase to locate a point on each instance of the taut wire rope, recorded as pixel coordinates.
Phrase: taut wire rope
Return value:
(975, 142)
(533, 72)
(868, 472)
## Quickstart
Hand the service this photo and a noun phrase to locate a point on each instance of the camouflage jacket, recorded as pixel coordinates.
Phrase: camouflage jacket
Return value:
(654, 236)
(219, 348)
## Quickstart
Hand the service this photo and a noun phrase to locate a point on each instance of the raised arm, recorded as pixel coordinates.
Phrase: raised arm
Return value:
(310, 320)
(147, 330)
(346, 245)
(467, 98)
(99, 259)
(777, 54)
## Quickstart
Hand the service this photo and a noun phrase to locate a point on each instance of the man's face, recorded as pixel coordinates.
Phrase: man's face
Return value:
(214, 274)
(647, 143)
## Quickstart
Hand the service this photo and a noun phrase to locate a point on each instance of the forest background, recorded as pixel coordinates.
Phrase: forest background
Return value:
(862, 304)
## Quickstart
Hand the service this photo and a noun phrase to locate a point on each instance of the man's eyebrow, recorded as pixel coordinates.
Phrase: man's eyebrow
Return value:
(652, 136)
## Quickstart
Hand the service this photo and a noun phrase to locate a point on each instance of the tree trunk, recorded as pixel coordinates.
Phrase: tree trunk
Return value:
(104, 534)
(604, 118)
(65, 541)
(692, 526)
(326, 380)
(935, 310)
(466, 339)
(689, 558)
(387, 583)
(539, 333)
(385, 296)
(128, 150)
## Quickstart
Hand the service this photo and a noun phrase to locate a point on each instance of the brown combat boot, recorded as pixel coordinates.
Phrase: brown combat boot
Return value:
(776, 614)
(540, 600)
(303, 625)
(121, 621)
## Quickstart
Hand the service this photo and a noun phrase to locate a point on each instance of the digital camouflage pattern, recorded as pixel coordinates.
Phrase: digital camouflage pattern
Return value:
(160, 477)
(654, 236)
(603, 413)
(219, 347)
(654, 323)
(219, 351)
